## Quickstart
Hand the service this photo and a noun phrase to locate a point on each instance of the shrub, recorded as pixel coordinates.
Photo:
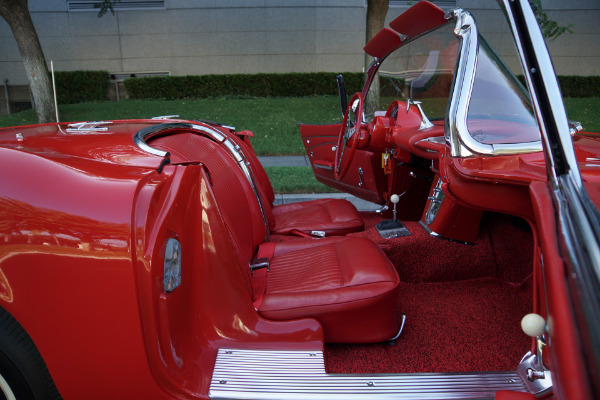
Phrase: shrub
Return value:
(292, 85)
(576, 86)
(579, 86)
(79, 86)
(250, 85)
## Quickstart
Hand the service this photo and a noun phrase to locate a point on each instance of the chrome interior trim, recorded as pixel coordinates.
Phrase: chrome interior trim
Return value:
(296, 375)
(325, 167)
(438, 236)
(383, 209)
(456, 123)
(462, 144)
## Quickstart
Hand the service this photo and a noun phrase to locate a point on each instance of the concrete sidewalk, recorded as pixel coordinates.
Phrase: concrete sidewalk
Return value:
(284, 161)
(301, 161)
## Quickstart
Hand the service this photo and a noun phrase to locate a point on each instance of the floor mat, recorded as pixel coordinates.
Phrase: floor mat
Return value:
(450, 327)
(503, 250)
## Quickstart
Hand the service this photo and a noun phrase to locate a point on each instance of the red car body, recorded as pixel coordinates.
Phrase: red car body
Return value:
(87, 211)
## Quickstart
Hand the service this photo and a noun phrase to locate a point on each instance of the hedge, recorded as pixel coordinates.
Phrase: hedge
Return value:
(575, 86)
(251, 85)
(79, 86)
(289, 85)
(579, 86)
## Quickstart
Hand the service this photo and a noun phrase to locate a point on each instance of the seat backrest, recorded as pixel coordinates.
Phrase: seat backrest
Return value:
(235, 197)
(259, 176)
(262, 178)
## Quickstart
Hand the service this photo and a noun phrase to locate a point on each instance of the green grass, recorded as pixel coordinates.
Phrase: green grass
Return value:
(295, 180)
(273, 120)
(585, 110)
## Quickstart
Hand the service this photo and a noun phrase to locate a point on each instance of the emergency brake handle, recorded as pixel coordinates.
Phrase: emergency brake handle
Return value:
(342, 93)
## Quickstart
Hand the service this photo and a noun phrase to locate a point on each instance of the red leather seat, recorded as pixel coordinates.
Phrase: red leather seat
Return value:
(332, 216)
(347, 284)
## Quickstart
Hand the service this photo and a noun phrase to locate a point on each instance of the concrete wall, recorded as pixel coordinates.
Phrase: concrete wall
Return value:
(233, 36)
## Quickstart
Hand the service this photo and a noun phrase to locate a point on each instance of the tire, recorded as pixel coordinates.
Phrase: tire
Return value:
(23, 373)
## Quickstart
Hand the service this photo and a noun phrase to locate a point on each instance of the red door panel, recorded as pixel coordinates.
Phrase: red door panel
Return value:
(363, 178)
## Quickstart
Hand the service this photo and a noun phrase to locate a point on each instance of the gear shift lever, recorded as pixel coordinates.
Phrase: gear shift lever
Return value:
(395, 199)
(392, 228)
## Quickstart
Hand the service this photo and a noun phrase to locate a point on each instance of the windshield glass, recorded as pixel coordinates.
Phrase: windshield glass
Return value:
(500, 109)
(422, 70)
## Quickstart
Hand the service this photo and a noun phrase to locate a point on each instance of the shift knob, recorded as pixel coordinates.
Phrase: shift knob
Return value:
(395, 198)
(533, 325)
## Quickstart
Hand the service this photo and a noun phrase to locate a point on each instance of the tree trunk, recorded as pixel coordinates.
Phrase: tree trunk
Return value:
(376, 12)
(16, 14)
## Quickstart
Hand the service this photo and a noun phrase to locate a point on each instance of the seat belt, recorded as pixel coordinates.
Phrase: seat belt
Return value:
(258, 271)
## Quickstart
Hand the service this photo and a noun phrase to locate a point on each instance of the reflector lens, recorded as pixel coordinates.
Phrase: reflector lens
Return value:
(172, 271)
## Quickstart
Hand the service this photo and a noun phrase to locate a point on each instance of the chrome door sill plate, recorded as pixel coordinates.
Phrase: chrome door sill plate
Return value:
(275, 374)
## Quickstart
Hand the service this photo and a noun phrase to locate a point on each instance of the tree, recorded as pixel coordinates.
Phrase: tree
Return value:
(376, 12)
(16, 14)
(550, 28)
(104, 6)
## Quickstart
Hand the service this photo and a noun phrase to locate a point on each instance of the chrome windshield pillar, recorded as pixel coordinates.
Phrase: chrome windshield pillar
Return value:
(461, 141)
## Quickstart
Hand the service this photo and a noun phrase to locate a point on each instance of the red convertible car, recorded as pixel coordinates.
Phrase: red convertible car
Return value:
(145, 259)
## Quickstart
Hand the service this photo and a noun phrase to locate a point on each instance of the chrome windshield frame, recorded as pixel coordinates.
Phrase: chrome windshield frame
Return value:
(458, 137)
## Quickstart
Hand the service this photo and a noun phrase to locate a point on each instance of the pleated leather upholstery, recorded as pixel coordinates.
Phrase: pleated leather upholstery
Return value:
(347, 284)
(333, 216)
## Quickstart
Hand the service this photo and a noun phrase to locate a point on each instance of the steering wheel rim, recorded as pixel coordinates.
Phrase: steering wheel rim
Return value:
(348, 135)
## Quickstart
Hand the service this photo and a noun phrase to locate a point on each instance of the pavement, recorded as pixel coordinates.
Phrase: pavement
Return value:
(301, 161)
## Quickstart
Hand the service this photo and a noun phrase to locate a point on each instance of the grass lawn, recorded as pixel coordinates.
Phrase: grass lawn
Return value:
(273, 120)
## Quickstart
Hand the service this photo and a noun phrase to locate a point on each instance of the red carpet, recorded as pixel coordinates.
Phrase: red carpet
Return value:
(503, 250)
(450, 327)
(463, 303)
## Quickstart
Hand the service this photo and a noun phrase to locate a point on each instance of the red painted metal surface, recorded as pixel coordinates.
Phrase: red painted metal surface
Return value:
(85, 217)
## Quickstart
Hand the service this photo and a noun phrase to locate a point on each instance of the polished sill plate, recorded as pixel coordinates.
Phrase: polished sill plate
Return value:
(257, 374)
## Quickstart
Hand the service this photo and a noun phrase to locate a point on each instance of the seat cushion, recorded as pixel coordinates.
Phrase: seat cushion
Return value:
(333, 216)
(348, 284)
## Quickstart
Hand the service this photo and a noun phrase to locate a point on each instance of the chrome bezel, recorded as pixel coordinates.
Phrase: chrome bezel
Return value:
(172, 265)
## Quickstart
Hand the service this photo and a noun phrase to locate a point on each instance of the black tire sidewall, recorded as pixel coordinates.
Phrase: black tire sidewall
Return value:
(21, 364)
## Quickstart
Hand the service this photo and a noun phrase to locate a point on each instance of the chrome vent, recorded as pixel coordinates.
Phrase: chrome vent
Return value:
(124, 5)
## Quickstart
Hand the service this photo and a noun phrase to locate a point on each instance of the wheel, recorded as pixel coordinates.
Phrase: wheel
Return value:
(23, 373)
(349, 135)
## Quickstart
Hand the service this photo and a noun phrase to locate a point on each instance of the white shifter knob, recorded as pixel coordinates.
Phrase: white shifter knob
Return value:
(533, 325)
(395, 198)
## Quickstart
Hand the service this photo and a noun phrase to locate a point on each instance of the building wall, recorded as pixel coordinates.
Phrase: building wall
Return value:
(250, 36)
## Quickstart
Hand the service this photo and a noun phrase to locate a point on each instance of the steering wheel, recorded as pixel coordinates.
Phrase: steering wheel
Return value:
(349, 135)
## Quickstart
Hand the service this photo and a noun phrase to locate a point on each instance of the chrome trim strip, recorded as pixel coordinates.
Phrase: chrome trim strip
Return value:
(140, 139)
(299, 375)
(325, 167)
(462, 144)
(537, 66)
